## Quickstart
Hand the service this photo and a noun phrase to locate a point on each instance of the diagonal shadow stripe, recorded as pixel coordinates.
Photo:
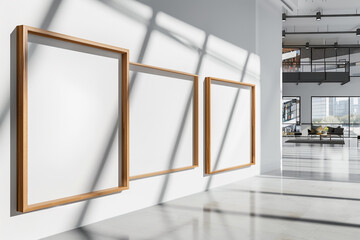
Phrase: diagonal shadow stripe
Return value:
(100, 168)
(44, 25)
(230, 119)
(297, 195)
(268, 216)
(175, 148)
(10, 105)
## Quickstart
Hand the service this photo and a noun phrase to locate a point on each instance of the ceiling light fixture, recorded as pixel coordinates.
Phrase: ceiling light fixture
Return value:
(307, 45)
(284, 17)
(318, 16)
(283, 33)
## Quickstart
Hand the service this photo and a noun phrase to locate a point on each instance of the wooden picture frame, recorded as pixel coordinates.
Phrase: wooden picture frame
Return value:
(150, 70)
(208, 124)
(22, 118)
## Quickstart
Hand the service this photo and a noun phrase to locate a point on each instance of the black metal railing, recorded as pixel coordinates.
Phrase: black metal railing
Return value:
(314, 66)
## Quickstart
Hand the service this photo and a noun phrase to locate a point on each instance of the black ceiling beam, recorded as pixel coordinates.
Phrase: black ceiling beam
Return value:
(333, 32)
(323, 15)
(322, 46)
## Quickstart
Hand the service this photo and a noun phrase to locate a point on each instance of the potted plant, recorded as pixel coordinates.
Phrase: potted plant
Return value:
(326, 129)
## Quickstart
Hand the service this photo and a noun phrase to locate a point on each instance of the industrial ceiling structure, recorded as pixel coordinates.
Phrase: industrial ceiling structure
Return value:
(324, 36)
(321, 22)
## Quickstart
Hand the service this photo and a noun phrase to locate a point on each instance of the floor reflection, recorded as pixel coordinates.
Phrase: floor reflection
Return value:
(292, 204)
(325, 162)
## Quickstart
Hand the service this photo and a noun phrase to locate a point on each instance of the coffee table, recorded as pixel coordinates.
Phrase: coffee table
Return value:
(324, 136)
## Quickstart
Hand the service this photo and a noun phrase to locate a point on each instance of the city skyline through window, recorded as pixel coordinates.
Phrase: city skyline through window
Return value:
(337, 111)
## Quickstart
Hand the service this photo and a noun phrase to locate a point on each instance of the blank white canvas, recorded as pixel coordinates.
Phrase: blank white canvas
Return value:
(73, 118)
(161, 129)
(230, 126)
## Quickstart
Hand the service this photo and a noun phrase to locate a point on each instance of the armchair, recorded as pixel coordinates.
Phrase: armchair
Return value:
(339, 131)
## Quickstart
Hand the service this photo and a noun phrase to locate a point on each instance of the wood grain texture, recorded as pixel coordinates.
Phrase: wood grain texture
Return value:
(232, 82)
(195, 160)
(22, 176)
(162, 69)
(196, 122)
(231, 168)
(253, 119)
(71, 199)
(125, 120)
(208, 125)
(22, 119)
(76, 40)
(145, 175)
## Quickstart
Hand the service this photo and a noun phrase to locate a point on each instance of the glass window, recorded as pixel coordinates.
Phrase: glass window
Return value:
(330, 109)
(354, 116)
(337, 111)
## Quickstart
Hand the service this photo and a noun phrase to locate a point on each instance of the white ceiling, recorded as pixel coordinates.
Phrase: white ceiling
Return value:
(310, 7)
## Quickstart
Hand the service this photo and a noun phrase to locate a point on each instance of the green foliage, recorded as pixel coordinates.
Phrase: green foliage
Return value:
(335, 119)
(355, 118)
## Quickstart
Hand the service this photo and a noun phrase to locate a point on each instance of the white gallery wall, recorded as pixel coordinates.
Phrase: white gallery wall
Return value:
(269, 50)
(306, 90)
(235, 40)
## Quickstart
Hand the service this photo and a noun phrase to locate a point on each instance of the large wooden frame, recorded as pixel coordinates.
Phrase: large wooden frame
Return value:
(22, 118)
(208, 124)
(195, 121)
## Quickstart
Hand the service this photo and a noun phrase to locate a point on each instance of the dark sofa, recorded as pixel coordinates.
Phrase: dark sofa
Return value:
(339, 131)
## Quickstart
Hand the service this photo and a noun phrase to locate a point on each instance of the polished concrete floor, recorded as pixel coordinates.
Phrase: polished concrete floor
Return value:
(322, 161)
(315, 196)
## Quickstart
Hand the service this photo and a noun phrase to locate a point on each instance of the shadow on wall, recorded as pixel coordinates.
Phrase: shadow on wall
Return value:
(152, 26)
(13, 101)
(11, 105)
(230, 118)
(240, 35)
(44, 25)
(214, 17)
